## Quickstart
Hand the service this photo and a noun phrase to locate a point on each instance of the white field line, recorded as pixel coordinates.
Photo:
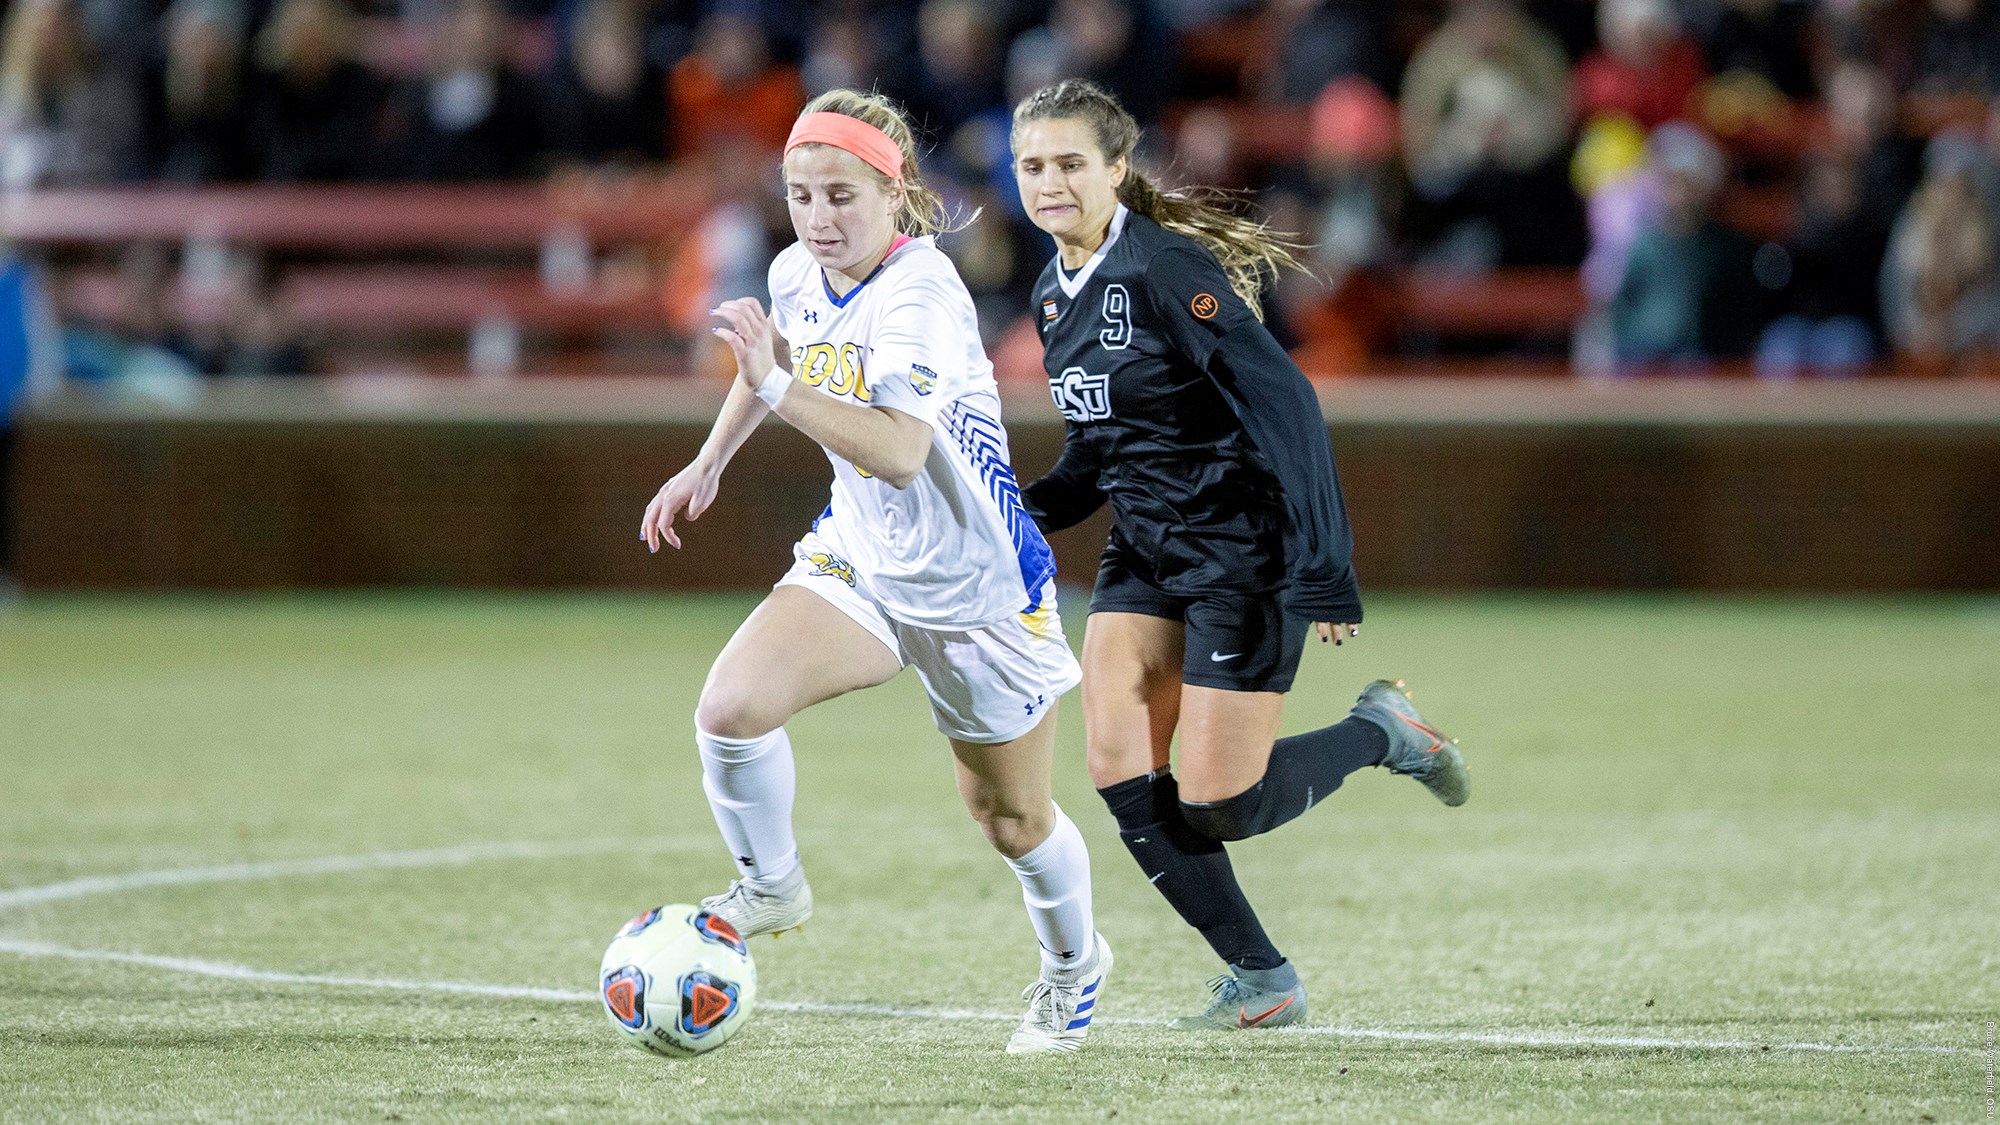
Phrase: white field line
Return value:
(325, 865)
(225, 971)
(534, 850)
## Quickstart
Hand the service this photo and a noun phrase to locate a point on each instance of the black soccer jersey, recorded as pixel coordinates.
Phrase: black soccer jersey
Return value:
(1189, 418)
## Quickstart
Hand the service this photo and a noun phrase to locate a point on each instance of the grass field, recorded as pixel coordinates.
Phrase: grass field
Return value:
(1724, 860)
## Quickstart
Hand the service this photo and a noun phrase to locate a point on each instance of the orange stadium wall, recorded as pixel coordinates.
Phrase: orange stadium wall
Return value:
(1444, 496)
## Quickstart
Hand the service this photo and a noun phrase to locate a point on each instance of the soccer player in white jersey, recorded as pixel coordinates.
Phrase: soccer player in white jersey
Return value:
(924, 556)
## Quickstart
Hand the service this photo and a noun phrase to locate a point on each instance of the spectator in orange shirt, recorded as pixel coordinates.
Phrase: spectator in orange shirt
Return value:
(729, 90)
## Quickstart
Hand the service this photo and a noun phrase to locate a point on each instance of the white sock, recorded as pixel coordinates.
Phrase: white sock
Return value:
(1055, 882)
(750, 783)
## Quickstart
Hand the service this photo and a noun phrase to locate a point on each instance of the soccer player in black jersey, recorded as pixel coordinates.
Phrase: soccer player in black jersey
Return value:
(1229, 539)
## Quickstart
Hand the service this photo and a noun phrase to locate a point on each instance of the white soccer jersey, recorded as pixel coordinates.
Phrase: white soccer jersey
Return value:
(954, 550)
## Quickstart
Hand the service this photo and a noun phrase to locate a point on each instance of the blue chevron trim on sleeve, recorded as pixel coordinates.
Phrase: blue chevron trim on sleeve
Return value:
(984, 443)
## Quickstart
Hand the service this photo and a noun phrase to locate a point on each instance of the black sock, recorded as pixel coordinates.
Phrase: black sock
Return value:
(1304, 769)
(1190, 870)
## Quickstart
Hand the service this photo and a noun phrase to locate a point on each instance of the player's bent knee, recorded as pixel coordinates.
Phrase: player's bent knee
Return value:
(1234, 818)
(1109, 765)
(1015, 835)
(727, 713)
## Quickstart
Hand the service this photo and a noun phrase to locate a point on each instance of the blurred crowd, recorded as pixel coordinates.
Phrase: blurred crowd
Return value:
(1803, 187)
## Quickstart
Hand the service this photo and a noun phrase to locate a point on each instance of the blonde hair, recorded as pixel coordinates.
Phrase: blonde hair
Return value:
(1248, 251)
(923, 211)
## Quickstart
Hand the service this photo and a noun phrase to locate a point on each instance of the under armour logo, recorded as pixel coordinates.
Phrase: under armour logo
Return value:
(746, 861)
(812, 316)
(1030, 707)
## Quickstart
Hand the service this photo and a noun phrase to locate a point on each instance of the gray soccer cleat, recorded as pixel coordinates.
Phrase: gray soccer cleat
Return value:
(757, 910)
(1247, 999)
(1060, 1009)
(1415, 747)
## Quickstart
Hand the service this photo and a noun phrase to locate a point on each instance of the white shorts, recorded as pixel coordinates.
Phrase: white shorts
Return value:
(986, 685)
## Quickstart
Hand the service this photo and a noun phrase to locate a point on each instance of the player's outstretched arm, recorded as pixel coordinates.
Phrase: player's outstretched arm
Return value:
(693, 489)
(887, 444)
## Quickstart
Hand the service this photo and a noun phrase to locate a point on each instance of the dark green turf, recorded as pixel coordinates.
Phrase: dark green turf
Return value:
(1762, 822)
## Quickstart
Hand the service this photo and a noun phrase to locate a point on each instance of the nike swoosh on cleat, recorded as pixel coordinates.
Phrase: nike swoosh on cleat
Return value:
(1245, 1019)
(1157, 878)
(1219, 657)
(1437, 740)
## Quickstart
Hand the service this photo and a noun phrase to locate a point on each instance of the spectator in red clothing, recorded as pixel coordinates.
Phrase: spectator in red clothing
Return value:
(1646, 70)
(1348, 205)
(728, 91)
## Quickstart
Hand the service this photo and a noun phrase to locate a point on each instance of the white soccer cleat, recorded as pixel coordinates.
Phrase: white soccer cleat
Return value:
(757, 910)
(1060, 1010)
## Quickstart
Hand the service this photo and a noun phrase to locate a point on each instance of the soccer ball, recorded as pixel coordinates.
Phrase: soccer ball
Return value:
(677, 980)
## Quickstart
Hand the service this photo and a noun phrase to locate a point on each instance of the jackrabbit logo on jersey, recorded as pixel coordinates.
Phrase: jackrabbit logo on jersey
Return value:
(826, 562)
(1081, 396)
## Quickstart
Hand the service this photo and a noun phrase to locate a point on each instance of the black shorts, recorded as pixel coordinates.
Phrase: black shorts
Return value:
(1236, 642)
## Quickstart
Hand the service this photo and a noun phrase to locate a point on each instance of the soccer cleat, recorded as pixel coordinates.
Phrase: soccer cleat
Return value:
(1060, 1010)
(757, 910)
(1415, 747)
(1246, 1000)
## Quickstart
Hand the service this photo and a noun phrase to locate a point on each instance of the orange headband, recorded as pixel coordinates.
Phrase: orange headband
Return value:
(849, 134)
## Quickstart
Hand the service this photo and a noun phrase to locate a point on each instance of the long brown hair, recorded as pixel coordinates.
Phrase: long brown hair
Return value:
(1248, 250)
(924, 211)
